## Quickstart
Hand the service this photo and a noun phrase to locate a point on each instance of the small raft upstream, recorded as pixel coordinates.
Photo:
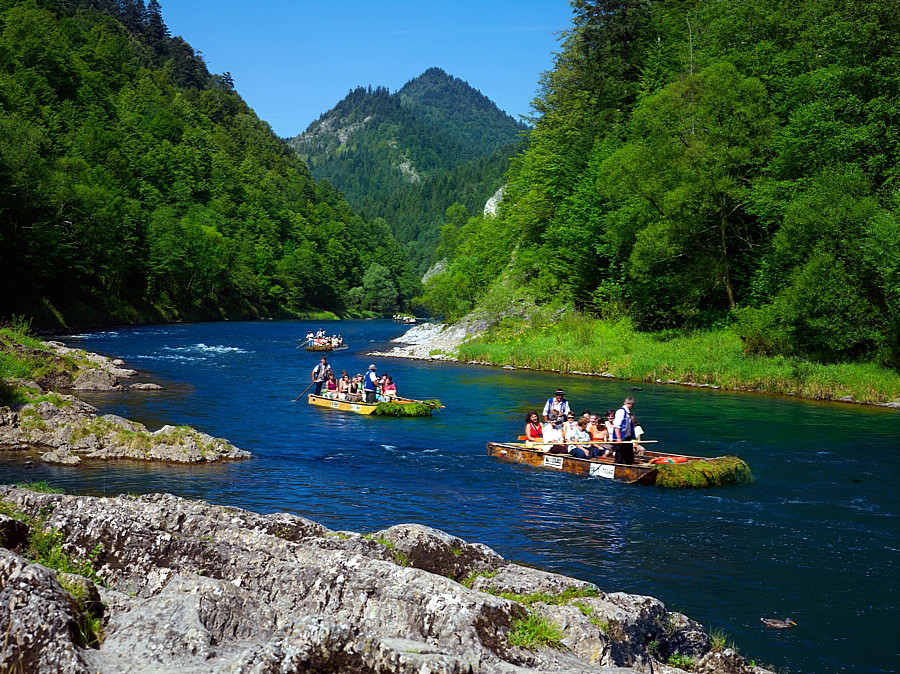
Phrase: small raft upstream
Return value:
(652, 468)
(398, 407)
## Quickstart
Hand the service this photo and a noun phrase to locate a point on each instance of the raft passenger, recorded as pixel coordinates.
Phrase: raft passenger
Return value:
(623, 432)
(580, 436)
(557, 404)
(318, 374)
(388, 388)
(553, 435)
(370, 384)
(533, 430)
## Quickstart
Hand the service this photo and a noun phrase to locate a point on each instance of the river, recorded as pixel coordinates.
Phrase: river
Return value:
(816, 537)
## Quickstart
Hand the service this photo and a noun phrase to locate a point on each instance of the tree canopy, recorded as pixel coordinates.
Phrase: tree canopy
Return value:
(698, 165)
(135, 184)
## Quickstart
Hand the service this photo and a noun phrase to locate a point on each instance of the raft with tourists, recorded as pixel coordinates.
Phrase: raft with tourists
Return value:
(649, 468)
(395, 407)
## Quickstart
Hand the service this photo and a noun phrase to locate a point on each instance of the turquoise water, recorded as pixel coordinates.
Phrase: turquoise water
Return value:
(816, 537)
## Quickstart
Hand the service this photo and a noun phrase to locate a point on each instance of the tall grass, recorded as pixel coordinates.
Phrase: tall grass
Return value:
(715, 357)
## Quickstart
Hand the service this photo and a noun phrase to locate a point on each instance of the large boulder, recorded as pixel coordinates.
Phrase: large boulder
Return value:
(192, 587)
(97, 380)
(39, 620)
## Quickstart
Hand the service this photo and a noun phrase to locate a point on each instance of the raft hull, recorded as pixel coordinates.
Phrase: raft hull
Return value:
(343, 405)
(639, 473)
(346, 406)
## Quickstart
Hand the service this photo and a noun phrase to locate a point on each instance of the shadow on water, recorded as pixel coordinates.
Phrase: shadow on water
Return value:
(816, 537)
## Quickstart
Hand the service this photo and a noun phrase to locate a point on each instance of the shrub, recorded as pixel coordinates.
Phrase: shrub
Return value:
(760, 331)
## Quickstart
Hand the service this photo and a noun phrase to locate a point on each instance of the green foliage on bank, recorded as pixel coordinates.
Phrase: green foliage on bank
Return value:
(697, 165)
(715, 357)
(18, 363)
(136, 185)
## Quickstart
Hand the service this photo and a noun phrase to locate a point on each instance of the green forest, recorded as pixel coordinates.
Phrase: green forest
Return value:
(701, 166)
(408, 156)
(136, 186)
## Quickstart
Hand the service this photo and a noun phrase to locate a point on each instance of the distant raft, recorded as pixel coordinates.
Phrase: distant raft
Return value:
(398, 407)
(652, 468)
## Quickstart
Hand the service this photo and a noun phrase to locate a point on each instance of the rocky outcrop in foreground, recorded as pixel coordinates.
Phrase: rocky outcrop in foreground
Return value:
(72, 430)
(76, 369)
(192, 587)
(68, 430)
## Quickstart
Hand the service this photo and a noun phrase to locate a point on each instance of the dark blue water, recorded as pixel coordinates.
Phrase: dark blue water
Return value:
(815, 538)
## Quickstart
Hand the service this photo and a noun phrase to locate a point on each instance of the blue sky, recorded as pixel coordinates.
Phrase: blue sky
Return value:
(293, 60)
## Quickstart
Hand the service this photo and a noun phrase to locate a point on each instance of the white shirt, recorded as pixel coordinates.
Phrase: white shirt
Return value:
(552, 434)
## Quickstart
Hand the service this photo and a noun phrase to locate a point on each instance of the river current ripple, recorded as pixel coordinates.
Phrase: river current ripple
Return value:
(816, 537)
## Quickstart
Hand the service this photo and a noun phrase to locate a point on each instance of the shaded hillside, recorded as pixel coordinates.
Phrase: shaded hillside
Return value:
(409, 155)
(417, 211)
(136, 185)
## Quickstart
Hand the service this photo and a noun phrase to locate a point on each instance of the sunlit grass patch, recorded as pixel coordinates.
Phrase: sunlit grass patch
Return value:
(576, 343)
(535, 632)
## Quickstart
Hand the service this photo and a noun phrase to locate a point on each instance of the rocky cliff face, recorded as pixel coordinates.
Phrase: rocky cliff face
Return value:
(192, 587)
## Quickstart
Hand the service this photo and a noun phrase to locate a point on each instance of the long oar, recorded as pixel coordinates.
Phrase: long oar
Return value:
(304, 391)
(596, 442)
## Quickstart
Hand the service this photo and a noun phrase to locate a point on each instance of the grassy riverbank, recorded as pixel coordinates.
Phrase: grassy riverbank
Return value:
(715, 358)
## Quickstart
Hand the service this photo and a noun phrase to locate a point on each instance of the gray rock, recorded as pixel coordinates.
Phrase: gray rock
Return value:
(515, 579)
(145, 386)
(194, 587)
(97, 380)
(728, 661)
(62, 457)
(38, 620)
(55, 380)
(74, 431)
(437, 552)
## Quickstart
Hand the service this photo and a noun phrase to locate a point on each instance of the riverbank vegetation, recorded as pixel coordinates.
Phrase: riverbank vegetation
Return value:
(22, 358)
(715, 184)
(136, 186)
(713, 357)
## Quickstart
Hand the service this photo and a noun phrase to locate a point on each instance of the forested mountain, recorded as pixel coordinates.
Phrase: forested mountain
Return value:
(134, 184)
(696, 164)
(408, 156)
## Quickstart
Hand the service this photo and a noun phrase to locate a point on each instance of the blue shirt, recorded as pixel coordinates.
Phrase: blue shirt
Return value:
(371, 378)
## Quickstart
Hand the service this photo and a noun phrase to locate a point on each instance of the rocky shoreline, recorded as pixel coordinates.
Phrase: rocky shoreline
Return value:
(432, 341)
(66, 430)
(193, 587)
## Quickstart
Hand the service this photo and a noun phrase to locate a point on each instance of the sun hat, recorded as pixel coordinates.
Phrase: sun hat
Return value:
(559, 392)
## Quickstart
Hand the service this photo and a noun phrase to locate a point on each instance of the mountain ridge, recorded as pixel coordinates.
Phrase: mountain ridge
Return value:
(409, 155)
